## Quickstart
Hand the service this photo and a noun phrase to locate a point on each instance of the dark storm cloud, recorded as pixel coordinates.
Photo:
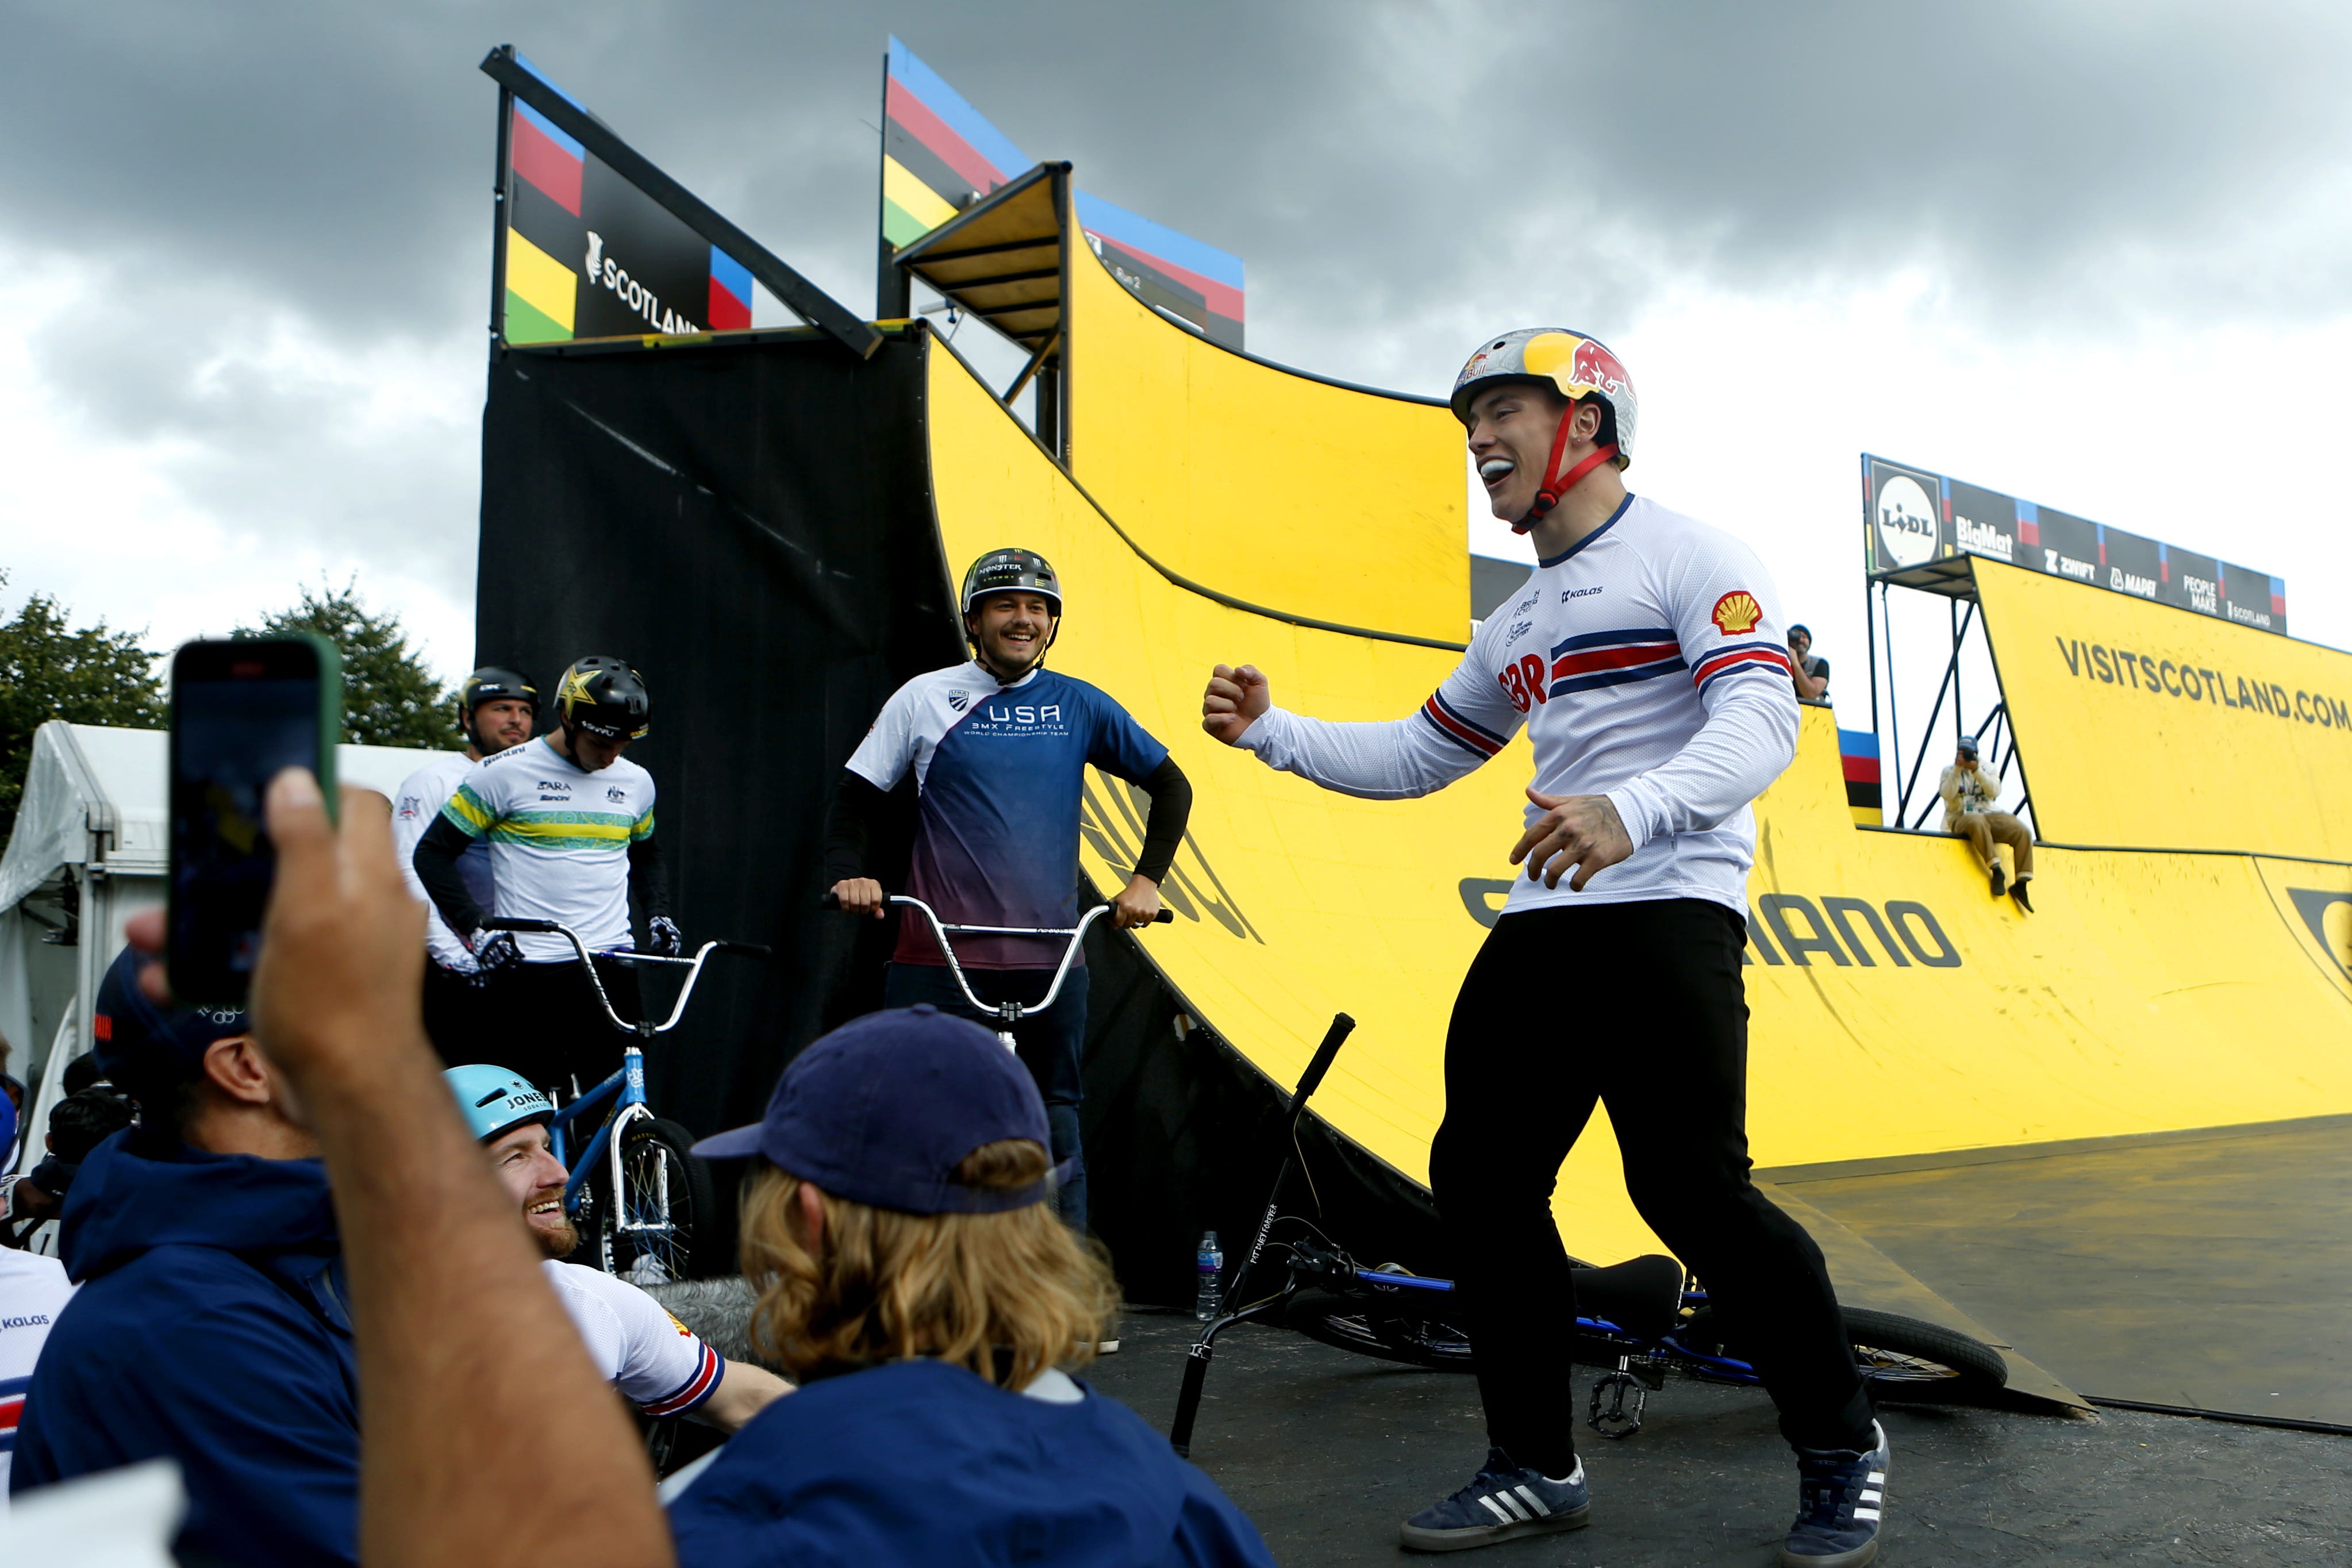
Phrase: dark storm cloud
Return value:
(1390, 173)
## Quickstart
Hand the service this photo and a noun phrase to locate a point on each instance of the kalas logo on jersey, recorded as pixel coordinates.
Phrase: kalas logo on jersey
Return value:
(1736, 613)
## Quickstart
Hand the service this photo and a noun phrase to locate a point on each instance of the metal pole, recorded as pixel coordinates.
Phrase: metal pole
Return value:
(1894, 706)
(499, 222)
(1927, 737)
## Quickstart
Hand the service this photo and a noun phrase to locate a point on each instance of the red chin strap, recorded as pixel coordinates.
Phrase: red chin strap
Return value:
(1557, 484)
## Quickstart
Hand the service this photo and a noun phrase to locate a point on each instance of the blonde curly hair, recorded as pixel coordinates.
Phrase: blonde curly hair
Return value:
(1014, 1291)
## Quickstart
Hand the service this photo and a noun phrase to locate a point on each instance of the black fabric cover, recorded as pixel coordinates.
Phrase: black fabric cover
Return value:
(749, 524)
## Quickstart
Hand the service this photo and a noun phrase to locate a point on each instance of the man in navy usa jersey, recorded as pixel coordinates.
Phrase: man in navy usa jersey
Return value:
(998, 747)
(1644, 656)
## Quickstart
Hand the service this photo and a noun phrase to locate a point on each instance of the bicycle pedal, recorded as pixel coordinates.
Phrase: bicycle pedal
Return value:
(1614, 1421)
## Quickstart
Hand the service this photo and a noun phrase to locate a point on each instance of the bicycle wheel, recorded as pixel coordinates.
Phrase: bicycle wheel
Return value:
(1378, 1329)
(1903, 1359)
(1908, 1362)
(652, 1231)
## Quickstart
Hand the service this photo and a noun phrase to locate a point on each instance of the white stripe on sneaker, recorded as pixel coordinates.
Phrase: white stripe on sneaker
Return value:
(1534, 1502)
(1866, 1513)
(1499, 1511)
(1869, 1495)
(1512, 1503)
(1879, 1478)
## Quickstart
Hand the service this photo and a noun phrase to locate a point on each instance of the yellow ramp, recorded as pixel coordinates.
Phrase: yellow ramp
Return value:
(2144, 725)
(1897, 1008)
(1349, 503)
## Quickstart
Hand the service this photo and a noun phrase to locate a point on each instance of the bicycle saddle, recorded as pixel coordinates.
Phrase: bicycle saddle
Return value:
(1643, 1296)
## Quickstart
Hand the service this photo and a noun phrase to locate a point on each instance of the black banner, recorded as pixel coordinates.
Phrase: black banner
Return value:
(1912, 518)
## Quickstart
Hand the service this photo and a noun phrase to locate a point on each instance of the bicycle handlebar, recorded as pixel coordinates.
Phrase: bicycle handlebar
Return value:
(831, 900)
(1342, 1027)
(693, 967)
(518, 922)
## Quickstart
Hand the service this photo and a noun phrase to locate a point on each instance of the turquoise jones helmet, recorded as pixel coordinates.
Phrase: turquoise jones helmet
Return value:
(494, 1100)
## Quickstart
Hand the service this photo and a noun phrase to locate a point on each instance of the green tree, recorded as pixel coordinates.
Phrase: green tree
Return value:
(49, 670)
(390, 699)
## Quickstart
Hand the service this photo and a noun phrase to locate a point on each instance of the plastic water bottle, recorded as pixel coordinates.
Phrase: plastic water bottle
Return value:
(1210, 1264)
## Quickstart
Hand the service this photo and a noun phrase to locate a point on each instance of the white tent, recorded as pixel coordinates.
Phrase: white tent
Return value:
(89, 852)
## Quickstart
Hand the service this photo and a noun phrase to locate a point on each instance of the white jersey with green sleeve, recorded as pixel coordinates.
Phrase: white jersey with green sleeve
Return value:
(414, 807)
(559, 838)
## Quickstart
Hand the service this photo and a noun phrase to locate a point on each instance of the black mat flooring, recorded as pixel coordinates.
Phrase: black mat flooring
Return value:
(1327, 1452)
(2208, 1272)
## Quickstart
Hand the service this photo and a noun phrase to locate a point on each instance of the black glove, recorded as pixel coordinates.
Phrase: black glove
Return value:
(496, 950)
(663, 938)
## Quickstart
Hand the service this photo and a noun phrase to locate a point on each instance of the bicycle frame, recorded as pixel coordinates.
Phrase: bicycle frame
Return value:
(629, 1083)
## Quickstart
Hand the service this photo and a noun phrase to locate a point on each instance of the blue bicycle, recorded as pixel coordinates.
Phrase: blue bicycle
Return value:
(638, 1194)
(1640, 1319)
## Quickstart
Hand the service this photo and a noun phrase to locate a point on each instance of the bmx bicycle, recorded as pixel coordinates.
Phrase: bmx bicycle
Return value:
(1640, 1319)
(1008, 1013)
(643, 1200)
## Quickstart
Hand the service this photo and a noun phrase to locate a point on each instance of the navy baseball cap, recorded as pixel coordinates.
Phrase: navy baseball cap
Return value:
(883, 1110)
(1968, 743)
(127, 1029)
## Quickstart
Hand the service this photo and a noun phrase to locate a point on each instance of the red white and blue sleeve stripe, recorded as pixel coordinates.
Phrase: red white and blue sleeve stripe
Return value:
(690, 1395)
(1732, 658)
(1476, 738)
(12, 1409)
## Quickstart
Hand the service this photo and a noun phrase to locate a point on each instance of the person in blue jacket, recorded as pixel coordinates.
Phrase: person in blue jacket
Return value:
(913, 1278)
(210, 1326)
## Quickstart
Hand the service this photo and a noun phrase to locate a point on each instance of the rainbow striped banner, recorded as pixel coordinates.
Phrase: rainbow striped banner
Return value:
(940, 155)
(589, 255)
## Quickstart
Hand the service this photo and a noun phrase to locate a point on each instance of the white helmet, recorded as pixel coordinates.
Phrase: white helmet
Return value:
(1578, 367)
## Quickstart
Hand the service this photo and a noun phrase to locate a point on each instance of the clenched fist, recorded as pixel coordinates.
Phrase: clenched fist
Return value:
(1235, 701)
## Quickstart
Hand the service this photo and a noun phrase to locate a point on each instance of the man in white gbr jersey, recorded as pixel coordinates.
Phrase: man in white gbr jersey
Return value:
(1645, 658)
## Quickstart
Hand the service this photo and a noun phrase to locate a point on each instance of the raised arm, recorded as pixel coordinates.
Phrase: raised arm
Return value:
(1461, 725)
(450, 1306)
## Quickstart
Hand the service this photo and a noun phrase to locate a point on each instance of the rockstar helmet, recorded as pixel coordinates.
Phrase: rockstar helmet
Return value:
(1576, 367)
(1011, 571)
(604, 697)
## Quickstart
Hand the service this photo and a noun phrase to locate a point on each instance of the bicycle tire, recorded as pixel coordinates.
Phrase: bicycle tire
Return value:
(1903, 1359)
(1908, 1362)
(1380, 1330)
(656, 1167)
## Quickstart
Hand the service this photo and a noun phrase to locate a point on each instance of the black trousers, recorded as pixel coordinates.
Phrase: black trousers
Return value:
(459, 1018)
(550, 1028)
(1640, 1006)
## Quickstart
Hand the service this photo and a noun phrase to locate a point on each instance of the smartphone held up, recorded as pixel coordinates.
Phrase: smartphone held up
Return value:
(242, 711)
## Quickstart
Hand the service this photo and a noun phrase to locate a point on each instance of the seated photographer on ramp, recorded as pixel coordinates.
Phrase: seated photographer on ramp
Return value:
(1645, 658)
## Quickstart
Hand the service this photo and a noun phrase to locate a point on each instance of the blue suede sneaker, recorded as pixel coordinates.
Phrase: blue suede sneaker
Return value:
(1502, 1502)
(1840, 1495)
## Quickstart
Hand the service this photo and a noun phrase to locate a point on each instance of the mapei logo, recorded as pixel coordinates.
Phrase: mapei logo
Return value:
(1736, 613)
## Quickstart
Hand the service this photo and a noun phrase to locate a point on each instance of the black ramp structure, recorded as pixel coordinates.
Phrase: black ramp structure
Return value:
(748, 526)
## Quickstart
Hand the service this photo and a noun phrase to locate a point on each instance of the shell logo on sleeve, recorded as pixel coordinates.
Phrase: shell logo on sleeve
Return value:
(683, 1330)
(1736, 613)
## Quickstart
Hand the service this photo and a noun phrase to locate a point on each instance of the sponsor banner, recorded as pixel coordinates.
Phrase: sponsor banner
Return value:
(1903, 510)
(940, 155)
(588, 255)
(2146, 728)
(1912, 518)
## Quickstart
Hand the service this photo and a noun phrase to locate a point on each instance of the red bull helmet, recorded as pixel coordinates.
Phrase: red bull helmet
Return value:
(1578, 367)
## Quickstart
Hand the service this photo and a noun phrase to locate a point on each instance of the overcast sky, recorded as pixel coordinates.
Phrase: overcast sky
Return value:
(2095, 255)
